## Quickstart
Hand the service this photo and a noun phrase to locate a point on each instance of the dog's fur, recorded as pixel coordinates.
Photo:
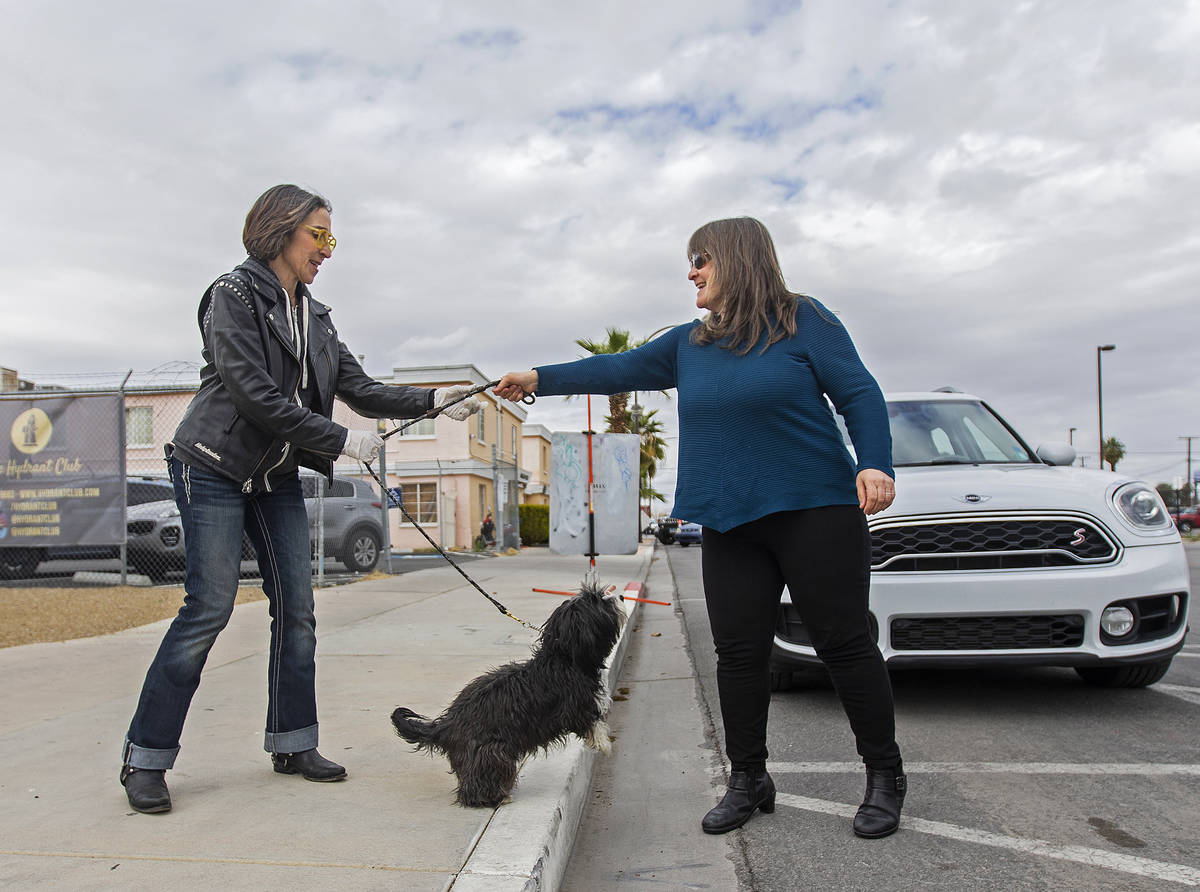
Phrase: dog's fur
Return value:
(516, 709)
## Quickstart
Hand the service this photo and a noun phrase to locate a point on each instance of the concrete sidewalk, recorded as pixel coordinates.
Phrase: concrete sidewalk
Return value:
(411, 640)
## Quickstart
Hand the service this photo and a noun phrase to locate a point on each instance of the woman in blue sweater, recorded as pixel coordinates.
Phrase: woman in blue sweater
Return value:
(763, 468)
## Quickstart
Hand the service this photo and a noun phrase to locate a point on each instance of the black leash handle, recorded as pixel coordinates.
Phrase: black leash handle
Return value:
(528, 399)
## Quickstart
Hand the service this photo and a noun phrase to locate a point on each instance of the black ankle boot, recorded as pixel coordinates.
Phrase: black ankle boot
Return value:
(879, 815)
(146, 790)
(745, 793)
(309, 763)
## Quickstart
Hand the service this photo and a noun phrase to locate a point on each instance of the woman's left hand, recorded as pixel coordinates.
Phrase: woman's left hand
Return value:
(876, 490)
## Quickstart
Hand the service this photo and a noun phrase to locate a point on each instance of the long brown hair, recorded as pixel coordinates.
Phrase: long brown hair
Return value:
(275, 216)
(749, 285)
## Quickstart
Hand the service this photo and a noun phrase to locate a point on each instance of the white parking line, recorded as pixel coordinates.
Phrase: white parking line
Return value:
(1183, 692)
(1111, 768)
(1159, 870)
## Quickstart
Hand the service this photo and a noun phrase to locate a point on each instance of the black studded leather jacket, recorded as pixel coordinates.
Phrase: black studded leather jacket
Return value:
(246, 422)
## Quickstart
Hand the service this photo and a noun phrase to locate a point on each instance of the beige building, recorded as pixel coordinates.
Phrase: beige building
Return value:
(535, 459)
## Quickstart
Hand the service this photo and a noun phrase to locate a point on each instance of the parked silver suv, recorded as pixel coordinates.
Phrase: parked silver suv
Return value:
(352, 519)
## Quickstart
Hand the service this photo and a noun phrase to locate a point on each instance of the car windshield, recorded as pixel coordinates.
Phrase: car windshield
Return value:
(946, 432)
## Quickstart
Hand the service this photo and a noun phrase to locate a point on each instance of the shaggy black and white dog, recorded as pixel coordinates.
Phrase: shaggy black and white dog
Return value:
(516, 709)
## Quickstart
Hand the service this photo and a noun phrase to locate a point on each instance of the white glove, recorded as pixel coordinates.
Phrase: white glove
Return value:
(363, 445)
(459, 411)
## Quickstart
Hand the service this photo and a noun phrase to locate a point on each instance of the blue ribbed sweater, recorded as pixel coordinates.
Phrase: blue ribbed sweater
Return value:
(756, 435)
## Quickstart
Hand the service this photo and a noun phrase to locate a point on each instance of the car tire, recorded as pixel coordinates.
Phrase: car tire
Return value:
(19, 563)
(361, 552)
(1185, 526)
(1136, 676)
(684, 544)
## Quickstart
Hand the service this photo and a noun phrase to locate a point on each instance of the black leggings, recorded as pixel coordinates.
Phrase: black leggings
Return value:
(823, 555)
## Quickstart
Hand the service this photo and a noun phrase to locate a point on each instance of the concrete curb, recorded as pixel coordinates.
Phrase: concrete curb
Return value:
(526, 845)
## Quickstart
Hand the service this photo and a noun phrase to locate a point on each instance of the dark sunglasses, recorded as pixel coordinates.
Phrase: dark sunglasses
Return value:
(699, 261)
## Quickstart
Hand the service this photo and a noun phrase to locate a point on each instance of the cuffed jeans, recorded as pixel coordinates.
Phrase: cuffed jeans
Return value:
(823, 555)
(215, 512)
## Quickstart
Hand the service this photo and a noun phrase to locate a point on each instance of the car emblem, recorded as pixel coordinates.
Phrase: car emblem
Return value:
(1080, 535)
(971, 498)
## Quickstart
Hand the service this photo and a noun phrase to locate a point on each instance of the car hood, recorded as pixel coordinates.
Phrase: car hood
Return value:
(992, 488)
(151, 510)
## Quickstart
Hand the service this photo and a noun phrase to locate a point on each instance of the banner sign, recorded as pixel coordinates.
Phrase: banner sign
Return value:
(61, 475)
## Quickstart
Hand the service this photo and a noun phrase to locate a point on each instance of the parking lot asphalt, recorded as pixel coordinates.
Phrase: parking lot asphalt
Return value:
(411, 640)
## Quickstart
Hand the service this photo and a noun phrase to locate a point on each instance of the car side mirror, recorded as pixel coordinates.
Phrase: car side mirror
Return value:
(1056, 453)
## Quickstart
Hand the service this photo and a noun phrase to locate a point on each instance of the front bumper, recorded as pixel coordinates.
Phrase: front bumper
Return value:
(1055, 614)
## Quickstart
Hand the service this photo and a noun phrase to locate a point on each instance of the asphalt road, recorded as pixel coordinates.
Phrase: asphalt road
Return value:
(1019, 779)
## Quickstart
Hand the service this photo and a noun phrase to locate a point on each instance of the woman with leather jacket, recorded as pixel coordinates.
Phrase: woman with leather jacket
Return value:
(273, 364)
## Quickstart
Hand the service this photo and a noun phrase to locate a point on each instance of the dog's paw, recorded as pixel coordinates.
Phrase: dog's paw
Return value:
(599, 738)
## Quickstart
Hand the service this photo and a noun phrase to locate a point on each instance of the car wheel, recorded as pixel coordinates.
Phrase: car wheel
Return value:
(362, 550)
(1136, 676)
(781, 681)
(684, 544)
(1185, 526)
(19, 563)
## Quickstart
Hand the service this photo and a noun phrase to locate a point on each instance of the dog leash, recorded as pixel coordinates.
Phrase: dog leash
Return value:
(529, 399)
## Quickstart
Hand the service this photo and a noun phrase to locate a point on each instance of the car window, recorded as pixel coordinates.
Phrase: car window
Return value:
(951, 432)
(140, 492)
(341, 489)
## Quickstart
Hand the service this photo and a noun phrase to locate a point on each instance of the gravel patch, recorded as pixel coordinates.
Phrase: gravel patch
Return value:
(40, 614)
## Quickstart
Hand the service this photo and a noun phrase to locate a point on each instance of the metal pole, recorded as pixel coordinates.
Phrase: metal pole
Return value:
(320, 484)
(1100, 397)
(121, 553)
(441, 526)
(383, 510)
(1187, 484)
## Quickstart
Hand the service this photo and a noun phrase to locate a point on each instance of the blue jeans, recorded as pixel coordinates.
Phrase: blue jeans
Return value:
(215, 512)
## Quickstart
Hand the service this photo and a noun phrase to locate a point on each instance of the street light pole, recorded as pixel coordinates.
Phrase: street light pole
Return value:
(1187, 486)
(636, 415)
(1100, 397)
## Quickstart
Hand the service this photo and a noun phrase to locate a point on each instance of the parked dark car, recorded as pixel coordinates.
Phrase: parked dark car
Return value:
(666, 529)
(688, 534)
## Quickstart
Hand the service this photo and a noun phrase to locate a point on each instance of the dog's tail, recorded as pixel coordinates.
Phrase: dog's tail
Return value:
(413, 727)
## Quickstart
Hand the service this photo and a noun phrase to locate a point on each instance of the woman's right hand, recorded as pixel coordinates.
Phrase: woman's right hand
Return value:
(515, 386)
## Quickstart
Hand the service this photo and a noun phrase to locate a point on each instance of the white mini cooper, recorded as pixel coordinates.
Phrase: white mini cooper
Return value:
(995, 553)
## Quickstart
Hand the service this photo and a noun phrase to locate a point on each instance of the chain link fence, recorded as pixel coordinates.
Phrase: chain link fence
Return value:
(85, 488)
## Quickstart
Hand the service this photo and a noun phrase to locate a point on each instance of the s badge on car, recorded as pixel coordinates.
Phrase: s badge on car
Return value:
(1080, 536)
(971, 498)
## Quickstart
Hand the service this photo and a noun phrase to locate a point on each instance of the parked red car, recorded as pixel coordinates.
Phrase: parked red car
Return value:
(1188, 519)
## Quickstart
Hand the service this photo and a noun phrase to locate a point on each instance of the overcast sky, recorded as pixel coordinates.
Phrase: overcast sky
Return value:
(983, 191)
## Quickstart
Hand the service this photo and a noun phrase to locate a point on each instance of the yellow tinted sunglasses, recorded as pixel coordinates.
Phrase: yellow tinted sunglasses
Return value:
(323, 236)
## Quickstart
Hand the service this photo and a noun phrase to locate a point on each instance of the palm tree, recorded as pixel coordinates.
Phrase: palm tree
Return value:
(617, 341)
(1114, 451)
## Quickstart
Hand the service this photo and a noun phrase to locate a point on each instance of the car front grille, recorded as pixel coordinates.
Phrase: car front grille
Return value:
(987, 632)
(139, 527)
(998, 542)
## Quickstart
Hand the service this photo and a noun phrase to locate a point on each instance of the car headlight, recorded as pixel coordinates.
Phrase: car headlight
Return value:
(1142, 507)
